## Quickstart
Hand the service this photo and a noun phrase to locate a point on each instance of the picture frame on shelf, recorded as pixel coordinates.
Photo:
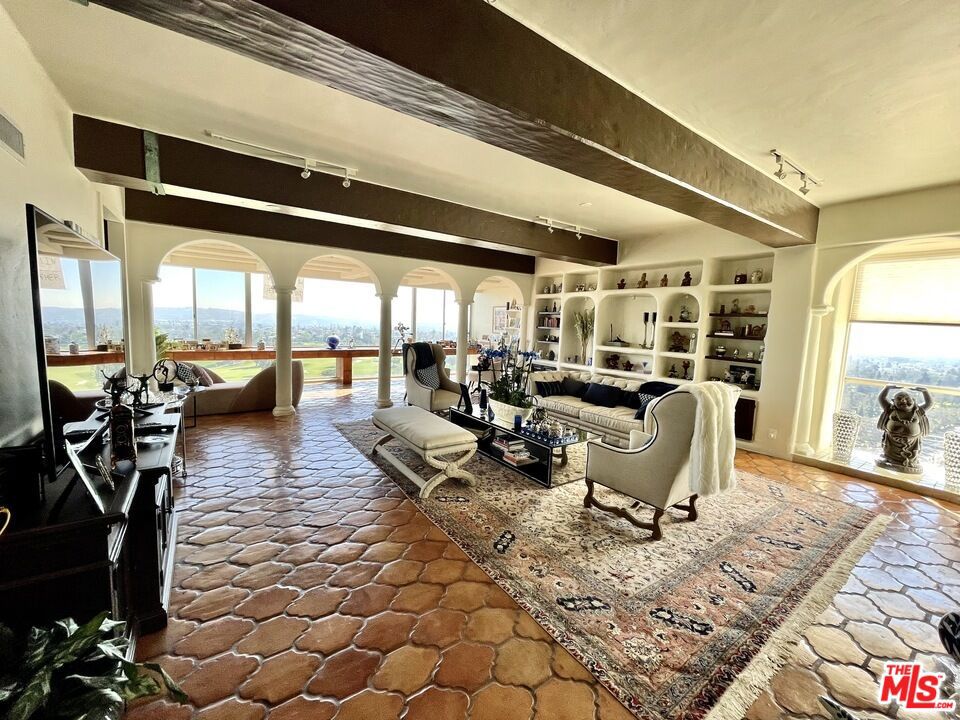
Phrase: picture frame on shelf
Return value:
(500, 319)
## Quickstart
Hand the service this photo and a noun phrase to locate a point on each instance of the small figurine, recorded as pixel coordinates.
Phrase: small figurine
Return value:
(740, 278)
(736, 353)
(664, 281)
(687, 279)
(685, 314)
(904, 424)
(763, 351)
(141, 394)
(621, 284)
(735, 306)
(642, 282)
(756, 276)
(673, 372)
(727, 377)
(613, 361)
(725, 328)
(750, 309)
(628, 366)
(546, 289)
(749, 355)
(747, 378)
(678, 342)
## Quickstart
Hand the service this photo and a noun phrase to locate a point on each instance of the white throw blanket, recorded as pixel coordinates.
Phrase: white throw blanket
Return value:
(714, 443)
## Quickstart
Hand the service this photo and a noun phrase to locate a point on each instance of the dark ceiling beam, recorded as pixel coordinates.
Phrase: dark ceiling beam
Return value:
(115, 154)
(143, 206)
(467, 67)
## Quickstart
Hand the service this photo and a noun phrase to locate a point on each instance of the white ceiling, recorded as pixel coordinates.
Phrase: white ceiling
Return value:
(111, 66)
(863, 93)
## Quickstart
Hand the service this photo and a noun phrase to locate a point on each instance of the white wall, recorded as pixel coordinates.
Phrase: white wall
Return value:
(47, 179)
(779, 395)
(483, 304)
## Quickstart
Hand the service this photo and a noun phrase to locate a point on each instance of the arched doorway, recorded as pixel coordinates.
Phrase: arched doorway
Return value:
(426, 305)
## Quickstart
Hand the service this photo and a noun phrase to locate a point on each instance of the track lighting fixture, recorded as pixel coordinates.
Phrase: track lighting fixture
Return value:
(310, 165)
(554, 225)
(808, 181)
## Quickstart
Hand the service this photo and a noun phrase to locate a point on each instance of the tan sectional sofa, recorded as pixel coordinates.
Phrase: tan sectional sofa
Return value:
(613, 423)
(257, 393)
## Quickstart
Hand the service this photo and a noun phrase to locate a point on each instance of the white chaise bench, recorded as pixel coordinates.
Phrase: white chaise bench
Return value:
(432, 438)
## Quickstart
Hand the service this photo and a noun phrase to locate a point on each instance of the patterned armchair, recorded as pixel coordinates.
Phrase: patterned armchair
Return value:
(420, 384)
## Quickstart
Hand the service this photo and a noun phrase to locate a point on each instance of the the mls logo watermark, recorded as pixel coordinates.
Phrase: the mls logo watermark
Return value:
(913, 687)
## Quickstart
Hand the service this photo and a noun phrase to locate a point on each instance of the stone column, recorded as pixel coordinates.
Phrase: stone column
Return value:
(462, 320)
(284, 351)
(247, 311)
(146, 356)
(386, 335)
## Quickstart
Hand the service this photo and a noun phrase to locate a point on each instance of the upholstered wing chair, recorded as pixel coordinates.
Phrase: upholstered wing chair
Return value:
(423, 396)
(654, 470)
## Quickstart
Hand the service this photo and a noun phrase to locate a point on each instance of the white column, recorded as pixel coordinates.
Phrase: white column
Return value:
(247, 311)
(804, 439)
(413, 314)
(86, 293)
(196, 319)
(463, 317)
(284, 350)
(146, 357)
(384, 361)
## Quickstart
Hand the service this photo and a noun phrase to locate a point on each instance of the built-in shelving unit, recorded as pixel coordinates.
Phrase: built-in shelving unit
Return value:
(664, 328)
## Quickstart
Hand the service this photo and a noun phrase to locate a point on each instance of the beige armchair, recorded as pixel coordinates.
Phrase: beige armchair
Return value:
(655, 469)
(430, 399)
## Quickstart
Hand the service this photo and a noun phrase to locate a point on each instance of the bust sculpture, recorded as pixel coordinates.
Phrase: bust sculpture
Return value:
(904, 423)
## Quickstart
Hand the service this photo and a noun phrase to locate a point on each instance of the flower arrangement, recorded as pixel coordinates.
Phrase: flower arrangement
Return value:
(510, 387)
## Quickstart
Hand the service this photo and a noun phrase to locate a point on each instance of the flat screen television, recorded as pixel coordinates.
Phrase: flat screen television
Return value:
(64, 285)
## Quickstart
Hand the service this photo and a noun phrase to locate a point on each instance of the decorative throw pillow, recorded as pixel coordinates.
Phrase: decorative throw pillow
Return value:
(630, 399)
(602, 395)
(642, 407)
(546, 388)
(429, 377)
(205, 378)
(185, 373)
(657, 388)
(569, 386)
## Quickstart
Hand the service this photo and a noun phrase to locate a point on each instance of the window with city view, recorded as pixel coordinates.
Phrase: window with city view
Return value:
(905, 339)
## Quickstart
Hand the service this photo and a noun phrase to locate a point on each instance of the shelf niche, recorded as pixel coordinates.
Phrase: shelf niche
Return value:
(633, 274)
(569, 344)
(726, 270)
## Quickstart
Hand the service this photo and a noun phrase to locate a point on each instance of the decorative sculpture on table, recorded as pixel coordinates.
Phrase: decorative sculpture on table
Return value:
(642, 282)
(687, 279)
(904, 424)
(123, 440)
(664, 281)
(165, 372)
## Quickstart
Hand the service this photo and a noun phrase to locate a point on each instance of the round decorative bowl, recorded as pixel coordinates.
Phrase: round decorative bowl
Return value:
(506, 413)
(332, 342)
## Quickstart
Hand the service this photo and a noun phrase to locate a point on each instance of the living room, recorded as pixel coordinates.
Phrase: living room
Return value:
(360, 370)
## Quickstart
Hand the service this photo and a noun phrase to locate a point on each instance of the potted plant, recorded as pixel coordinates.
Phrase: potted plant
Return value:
(583, 327)
(67, 671)
(507, 392)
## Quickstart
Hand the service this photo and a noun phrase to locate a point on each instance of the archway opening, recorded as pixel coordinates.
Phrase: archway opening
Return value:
(214, 296)
(425, 309)
(336, 302)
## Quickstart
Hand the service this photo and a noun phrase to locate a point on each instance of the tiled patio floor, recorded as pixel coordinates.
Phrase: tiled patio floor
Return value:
(307, 586)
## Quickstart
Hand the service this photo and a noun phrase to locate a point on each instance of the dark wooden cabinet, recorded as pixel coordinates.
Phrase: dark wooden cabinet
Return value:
(75, 561)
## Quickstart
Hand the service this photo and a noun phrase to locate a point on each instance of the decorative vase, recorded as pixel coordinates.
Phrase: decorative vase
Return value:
(506, 413)
(951, 457)
(846, 427)
(332, 342)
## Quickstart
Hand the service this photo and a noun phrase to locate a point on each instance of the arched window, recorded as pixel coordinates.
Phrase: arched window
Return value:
(904, 329)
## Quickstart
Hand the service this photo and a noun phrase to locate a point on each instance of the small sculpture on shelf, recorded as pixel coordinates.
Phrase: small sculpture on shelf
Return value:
(720, 350)
(740, 278)
(546, 289)
(685, 315)
(735, 306)
(679, 342)
(262, 344)
(664, 281)
(673, 372)
(687, 280)
(613, 361)
(140, 395)
(628, 366)
(723, 309)
(756, 276)
(165, 372)
(232, 339)
(747, 378)
(727, 376)
(736, 353)
(621, 284)
(904, 424)
(642, 282)
(686, 369)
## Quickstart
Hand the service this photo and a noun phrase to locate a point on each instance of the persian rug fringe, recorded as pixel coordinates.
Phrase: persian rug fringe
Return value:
(736, 701)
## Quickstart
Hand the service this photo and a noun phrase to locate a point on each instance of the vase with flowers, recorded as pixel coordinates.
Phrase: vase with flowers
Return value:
(507, 393)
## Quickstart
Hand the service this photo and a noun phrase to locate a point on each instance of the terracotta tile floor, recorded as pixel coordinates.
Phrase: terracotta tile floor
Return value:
(307, 586)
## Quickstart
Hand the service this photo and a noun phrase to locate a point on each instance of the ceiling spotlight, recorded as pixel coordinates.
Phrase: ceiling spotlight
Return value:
(577, 232)
(306, 171)
(804, 188)
(346, 178)
(780, 174)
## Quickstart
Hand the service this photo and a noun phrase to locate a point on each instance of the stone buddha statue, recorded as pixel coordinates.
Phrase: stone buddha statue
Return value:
(904, 423)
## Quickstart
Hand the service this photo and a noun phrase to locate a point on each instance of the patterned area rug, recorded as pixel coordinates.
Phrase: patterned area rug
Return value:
(690, 627)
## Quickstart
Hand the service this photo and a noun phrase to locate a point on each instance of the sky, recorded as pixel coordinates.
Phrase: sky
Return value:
(106, 285)
(914, 341)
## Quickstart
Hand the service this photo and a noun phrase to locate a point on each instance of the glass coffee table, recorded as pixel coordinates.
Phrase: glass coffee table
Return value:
(545, 453)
